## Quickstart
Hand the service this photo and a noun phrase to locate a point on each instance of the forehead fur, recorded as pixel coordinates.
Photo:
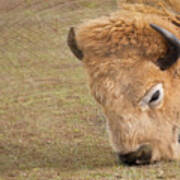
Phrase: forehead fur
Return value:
(173, 5)
(125, 34)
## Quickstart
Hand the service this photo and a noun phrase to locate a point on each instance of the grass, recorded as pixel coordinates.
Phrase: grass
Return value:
(50, 126)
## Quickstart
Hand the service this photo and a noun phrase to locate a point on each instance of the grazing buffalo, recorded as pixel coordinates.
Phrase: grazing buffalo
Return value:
(131, 58)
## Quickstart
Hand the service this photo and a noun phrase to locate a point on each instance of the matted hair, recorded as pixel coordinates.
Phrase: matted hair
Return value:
(173, 5)
(168, 8)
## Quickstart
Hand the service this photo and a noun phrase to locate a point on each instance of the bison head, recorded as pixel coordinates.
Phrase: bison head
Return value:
(132, 62)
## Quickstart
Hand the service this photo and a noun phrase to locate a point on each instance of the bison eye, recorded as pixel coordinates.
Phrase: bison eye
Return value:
(153, 98)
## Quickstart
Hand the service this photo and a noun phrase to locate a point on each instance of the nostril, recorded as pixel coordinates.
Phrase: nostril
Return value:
(141, 156)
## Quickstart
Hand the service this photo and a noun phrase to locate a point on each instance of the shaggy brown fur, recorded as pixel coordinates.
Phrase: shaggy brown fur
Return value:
(120, 54)
(173, 5)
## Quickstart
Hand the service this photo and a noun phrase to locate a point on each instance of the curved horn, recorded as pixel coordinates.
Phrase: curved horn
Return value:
(173, 53)
(71, 41)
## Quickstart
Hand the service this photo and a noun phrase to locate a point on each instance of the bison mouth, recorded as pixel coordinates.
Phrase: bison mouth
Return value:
(141, 156)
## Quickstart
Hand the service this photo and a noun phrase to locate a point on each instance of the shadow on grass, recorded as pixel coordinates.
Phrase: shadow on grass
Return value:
(62, 157)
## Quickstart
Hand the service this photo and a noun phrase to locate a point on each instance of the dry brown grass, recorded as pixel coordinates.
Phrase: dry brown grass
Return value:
(48, 120)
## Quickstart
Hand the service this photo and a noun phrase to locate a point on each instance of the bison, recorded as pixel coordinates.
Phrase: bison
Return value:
(131, 58)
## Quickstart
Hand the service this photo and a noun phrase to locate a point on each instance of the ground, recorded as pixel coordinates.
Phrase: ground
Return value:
(50, 126)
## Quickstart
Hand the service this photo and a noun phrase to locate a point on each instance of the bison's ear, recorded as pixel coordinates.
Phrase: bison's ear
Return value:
(71, 41)
(173, 53)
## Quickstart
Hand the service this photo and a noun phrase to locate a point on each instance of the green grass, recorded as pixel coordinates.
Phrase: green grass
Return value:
(50, 126)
